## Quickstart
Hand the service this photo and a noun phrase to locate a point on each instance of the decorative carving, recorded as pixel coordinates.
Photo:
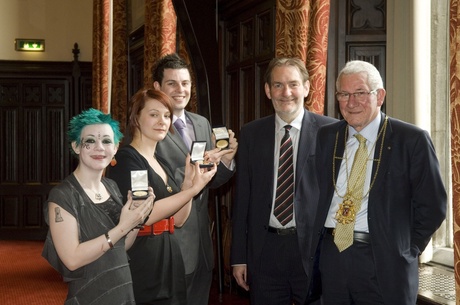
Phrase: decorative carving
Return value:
(265, 33)
(367, 16)
(232, 45)
(373, 53)
(8, 93)
(247, 39)
(37, 100)
(32, 94)
(55, 94)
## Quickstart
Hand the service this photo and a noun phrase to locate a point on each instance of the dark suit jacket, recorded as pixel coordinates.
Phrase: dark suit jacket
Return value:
(407, 202)
(255, 190)
(194, 236)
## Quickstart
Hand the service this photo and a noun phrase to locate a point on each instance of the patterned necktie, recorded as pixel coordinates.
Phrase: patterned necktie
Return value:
(343, 236)
(284, 199)
(180, 126)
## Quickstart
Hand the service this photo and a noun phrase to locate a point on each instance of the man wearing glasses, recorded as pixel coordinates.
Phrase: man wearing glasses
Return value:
(381, 197)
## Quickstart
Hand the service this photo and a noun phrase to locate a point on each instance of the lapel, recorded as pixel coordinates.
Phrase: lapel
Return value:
(385, 139)
(332, 158)
(177, 140)
(267, 139)
(307, 136)
(200, 132)
(339, 138)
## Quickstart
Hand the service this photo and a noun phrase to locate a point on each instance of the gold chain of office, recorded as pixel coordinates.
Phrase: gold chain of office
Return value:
(346, 213)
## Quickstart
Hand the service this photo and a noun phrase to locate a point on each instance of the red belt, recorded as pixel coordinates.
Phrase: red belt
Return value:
(165, 225)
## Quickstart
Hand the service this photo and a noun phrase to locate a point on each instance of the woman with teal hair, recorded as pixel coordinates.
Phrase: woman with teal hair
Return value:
(90, 228)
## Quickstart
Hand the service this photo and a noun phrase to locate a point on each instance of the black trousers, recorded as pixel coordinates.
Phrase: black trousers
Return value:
(348, 277)
(280, 279)
(199, 284)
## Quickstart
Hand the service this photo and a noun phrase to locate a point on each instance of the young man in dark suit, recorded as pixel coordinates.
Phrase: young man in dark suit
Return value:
(172, 76)
(272, 233)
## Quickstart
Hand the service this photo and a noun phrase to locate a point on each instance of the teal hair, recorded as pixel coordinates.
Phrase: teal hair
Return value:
(92, 117)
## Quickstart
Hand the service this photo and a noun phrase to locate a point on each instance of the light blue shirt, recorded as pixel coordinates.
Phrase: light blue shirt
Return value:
(370, 132)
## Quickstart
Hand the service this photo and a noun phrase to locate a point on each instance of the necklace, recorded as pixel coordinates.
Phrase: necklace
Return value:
(97, 195)
(346, 213)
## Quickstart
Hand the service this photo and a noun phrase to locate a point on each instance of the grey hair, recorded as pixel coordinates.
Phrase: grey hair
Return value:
(374, 79)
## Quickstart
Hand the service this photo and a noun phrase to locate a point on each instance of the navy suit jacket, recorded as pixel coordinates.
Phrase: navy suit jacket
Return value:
(407, 202)
(194, 236)
(255, 189)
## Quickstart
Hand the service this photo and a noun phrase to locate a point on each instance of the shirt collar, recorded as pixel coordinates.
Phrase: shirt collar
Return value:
(369, 132)
(296, 123)
(182, 117)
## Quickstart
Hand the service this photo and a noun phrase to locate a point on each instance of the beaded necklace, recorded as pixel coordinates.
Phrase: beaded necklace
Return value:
(346, 212)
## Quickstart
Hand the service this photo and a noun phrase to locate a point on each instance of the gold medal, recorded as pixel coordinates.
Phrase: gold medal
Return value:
(222, 144)
(346, 212)
(140, 193)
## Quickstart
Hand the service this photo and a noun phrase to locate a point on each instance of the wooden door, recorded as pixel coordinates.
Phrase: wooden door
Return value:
(36, 102)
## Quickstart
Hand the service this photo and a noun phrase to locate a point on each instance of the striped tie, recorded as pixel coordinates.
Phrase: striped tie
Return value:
(285, 183)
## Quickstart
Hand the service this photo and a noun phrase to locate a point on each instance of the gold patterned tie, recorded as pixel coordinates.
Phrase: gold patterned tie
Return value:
(343, 236)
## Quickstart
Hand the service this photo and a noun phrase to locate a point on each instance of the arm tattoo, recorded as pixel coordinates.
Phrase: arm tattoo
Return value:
(58, 217)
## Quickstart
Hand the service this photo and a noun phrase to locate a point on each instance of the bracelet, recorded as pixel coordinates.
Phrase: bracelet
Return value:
(109, 241)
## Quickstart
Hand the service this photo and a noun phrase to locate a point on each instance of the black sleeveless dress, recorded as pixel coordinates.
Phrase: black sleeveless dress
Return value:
(156, 262)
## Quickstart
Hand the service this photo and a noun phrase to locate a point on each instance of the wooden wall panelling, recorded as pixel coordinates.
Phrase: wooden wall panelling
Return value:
(265, 104)
(34, 143)
(357, 30)
(232, 97)
(366, 37)
(37, 100)
(136, 61)
(248, 103)
(248, 46)
(202, 44)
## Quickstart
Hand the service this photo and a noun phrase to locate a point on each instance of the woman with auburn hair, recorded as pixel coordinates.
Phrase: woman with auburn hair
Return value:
(156, 262)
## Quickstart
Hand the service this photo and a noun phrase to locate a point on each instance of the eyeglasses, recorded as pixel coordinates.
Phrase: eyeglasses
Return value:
(359, 95)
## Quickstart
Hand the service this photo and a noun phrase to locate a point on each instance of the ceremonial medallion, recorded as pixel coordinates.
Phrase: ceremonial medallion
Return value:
(346, 212)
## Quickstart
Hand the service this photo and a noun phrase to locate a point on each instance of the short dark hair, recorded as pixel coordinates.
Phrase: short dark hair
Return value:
(170, 61)
(138, 103)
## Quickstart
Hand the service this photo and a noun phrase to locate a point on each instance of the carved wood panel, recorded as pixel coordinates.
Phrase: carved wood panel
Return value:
(36, 103)
(248, 46)
(357, 31)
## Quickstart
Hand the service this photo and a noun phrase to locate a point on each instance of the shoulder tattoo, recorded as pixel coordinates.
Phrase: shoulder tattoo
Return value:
(58, 216)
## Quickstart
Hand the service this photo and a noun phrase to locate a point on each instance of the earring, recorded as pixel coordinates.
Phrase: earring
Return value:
(113, 162)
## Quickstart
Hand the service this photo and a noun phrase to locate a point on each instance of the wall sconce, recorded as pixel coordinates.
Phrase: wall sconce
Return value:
(29, 45)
